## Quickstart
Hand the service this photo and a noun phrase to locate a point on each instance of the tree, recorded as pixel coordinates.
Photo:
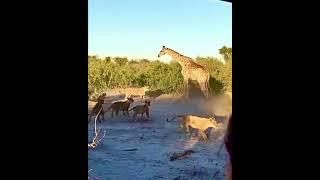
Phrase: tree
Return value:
(133, 62)
(226, 53)
(121, 60)
(144, 61)
(93, 58)
(107, 59)
(165, 77)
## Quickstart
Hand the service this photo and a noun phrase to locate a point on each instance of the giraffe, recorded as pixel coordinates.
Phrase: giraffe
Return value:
(190, 70)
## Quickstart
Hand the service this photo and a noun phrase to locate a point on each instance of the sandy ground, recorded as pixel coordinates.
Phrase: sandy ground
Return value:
(156, 140)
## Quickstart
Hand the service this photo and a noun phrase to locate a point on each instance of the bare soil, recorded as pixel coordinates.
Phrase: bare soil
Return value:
(142, 149)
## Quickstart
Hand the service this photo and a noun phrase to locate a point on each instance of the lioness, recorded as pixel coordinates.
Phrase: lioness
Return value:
(134, 91)
(120, 106)
(102, 97)
(141, 109)
(95, 110)
(198, 123)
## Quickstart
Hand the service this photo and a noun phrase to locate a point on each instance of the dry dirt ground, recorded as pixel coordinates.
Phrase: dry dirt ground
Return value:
(142, 149)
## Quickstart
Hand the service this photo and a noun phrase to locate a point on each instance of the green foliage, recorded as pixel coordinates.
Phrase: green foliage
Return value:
(108, 59)
(221, 74)
(226, 53)
(121, 61)
(115, 72)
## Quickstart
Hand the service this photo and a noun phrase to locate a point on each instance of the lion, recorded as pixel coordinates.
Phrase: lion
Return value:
(141, 109)
(196, 122)
(102, 97)
(97, 107)
(95, 110)
(120, 106)
(134, 91)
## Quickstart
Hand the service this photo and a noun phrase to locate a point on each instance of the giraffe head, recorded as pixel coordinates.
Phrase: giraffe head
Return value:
(163, 51)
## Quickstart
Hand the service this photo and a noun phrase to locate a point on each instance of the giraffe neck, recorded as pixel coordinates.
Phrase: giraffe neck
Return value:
(178, 57)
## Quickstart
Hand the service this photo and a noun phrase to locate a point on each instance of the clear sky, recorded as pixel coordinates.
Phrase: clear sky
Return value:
(139, 28)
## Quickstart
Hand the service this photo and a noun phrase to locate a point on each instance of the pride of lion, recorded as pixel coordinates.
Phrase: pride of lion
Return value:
(192, 73)
(190, 70)
(187, 121)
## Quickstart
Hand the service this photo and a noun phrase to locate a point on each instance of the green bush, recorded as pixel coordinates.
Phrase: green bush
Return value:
(108, 73)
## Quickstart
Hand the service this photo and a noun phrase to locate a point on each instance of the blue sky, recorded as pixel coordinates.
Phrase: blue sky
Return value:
(139, 28)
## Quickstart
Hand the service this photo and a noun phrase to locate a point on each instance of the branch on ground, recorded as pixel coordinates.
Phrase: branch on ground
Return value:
(96, 140)
(181, 155)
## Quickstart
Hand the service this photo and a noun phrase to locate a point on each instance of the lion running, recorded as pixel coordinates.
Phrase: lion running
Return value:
(120, 106)
(196, 122)
(141, 109)
(134, 91)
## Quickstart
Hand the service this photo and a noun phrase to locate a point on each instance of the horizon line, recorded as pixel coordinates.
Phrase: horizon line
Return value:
(217, 56)
(164, 59)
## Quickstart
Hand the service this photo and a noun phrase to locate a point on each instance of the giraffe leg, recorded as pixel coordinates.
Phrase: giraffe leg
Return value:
(207, 88)
(206, 93)
(188, 90)
(186, 84)
(204, 89)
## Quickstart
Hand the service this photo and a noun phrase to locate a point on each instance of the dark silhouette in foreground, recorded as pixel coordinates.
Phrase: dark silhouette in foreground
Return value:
(228, 143)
